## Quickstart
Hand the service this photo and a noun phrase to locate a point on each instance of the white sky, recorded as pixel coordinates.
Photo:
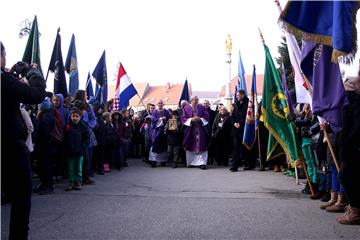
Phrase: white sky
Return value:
(157, 41)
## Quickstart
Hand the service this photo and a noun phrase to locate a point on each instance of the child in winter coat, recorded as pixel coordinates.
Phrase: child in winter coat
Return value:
(77, 138)
(145, 130)
(45, 148)
(173, 131)
(109, 141)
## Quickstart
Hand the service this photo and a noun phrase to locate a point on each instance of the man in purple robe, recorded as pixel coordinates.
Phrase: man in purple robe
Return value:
(195, 119)
(158, 151)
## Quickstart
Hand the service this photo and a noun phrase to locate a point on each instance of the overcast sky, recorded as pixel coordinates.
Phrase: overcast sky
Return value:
(157, 41)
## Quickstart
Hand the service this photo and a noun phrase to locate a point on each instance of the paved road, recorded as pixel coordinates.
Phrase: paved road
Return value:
(164, 203)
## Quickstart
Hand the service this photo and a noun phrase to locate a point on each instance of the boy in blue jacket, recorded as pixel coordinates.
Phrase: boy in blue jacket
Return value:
(77, 138)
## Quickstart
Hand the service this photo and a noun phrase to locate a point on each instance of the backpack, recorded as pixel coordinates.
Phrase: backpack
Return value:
(57, 134)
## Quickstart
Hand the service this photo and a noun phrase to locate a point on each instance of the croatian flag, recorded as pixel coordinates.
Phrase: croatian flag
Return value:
(124, 91)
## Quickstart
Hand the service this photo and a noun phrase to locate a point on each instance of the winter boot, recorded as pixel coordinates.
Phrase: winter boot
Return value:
(326, 197)
(69, 187)
(351, 216)
(340, 204)
(106, 168)
(276, 168)
(77, 186)
(332, 201)
(153, 164)
(306, 189)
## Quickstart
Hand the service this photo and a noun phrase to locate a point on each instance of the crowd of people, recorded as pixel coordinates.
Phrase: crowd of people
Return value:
(76, 138)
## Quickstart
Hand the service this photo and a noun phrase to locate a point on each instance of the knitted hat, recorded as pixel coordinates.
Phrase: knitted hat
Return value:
(106, 114)
(45, 105)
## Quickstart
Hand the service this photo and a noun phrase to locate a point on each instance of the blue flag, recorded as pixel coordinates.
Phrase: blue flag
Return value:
(250, 122)
(241, 74)
(329, 96)
(57, 67)
(185, 94)
(237, 88)
(71, 67)
(287, 94)
(100, 75)
(324, 22)
(89, 87)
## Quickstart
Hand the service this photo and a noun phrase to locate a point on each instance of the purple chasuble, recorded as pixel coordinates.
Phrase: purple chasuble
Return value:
(195, 136)
(158, 135)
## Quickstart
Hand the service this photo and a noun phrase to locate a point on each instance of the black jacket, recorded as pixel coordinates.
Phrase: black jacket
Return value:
(99, 130)
(77, 138)
(306, 123)
(239, 116)
(14, 92)
(350, 135)
(212, 115)
(221, 128)
(44, 145)
(174, 138)
(109, 134)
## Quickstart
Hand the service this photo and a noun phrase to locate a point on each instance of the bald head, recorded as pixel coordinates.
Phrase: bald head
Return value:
(194, 100)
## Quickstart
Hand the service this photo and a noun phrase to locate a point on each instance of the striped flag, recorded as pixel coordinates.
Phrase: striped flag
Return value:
(302, 87)
(250, 122)
(124, 90)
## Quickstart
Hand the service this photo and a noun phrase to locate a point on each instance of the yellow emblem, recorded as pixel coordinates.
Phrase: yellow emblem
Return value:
(279, 105)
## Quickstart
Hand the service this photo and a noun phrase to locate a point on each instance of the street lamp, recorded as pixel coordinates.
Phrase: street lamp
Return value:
(228, 44)
(25, 27)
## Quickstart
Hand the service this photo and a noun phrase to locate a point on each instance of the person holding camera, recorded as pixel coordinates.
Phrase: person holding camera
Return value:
(16, 170)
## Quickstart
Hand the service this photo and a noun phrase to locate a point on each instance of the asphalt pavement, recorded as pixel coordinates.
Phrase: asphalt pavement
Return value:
(140, 202)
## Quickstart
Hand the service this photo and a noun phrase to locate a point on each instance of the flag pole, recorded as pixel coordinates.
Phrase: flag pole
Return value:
(302, 161)
(331, 150)
(143, 103)
(310, 94)
(303, 165)
(47, 74)
(259, 146)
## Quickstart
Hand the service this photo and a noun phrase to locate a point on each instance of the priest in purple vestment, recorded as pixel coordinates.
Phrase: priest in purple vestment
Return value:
(195, 119)
(158, 151)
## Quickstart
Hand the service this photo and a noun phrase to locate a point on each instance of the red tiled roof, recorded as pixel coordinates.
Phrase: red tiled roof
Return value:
(170, 94)
(248, 79)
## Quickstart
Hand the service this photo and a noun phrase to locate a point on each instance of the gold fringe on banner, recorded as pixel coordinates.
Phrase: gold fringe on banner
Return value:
(345, 57)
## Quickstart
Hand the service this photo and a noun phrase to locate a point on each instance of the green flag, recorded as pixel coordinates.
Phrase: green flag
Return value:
(274, 149)
(32, 50)
(276, 112)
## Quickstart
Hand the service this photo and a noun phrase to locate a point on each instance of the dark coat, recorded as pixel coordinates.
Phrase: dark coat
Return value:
(349, 143)
(109, 134)
(239, 116)
(137, 137)
(77, 138)
(221, 128)
(212, 115)
(44, 144)
(14, 92)
(305, 123)
(99, 130)
(174, 138)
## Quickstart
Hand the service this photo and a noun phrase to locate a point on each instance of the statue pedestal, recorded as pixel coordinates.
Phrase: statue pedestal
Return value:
(228, 103)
